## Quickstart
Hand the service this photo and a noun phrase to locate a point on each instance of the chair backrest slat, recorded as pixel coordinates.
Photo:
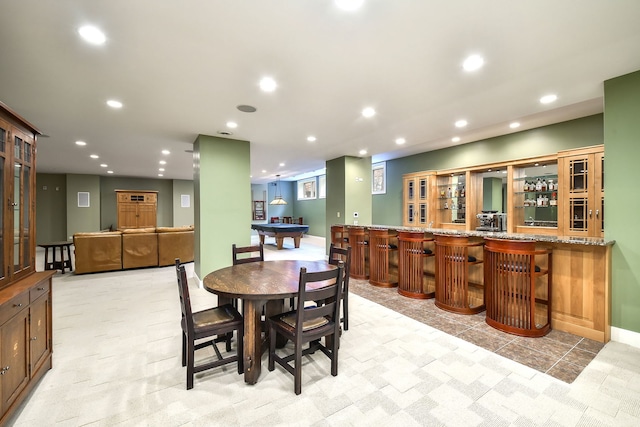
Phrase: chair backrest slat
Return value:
(185, 299)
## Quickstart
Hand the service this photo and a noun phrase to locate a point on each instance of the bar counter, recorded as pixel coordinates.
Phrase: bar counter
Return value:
(581, 278)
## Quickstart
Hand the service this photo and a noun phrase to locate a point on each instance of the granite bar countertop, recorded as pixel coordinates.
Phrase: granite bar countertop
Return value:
(587, 241)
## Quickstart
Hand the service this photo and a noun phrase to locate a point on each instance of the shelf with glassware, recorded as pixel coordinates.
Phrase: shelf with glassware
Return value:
(417, 211)
(535, 196)
(582, 177)
(451, 200)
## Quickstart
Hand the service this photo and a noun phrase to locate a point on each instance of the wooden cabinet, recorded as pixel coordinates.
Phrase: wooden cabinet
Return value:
(25, 338)
(417, 188)
(136, 209)
(17, 196)
(581, 174)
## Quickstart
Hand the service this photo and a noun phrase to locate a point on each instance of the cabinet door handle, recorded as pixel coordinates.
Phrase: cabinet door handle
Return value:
(41, 289)
(17, 305)
(34, 338)
(597, 213)
(590, 212)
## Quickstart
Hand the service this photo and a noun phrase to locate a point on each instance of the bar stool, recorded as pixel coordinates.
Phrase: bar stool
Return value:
(411, 256)
(452, 275)
(517, 301)
(340, 235)
(380, 247)
(359, 252)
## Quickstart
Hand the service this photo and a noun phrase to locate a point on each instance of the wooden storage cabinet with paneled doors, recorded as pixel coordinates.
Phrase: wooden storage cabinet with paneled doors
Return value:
(581, 174)
(136, 209)
(25, 296)
(417, 211)
(25, 338)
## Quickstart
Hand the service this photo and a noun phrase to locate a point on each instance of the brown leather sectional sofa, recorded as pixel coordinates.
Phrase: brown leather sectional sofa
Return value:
(132, 248)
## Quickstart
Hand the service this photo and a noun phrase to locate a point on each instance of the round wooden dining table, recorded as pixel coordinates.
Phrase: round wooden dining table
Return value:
(257, 284)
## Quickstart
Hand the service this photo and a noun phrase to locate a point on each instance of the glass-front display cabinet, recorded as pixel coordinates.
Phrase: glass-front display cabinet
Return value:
(416, 206)
(536, 196)
(451, 200)
(17, 191)
(582, 178)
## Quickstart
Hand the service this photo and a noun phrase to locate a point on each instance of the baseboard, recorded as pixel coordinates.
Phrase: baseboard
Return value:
(625, 337)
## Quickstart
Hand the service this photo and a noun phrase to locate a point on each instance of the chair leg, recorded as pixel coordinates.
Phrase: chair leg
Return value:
(272, 349)
(345, 311)
(228, 341)
(184, 349)
(334, 354)
(298, 370)
(190, 362)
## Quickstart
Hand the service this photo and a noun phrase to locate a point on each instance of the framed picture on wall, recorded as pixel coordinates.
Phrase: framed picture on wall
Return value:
(258, 210)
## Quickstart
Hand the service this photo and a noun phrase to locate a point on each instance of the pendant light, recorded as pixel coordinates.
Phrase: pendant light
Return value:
(278, 200)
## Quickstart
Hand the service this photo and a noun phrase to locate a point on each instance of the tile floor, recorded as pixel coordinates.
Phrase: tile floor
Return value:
(117, 362)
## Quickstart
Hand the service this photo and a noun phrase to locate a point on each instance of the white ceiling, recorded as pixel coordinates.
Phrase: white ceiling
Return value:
(182, 67)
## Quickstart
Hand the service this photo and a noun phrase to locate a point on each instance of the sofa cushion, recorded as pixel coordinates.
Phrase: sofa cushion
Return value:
(174, 229)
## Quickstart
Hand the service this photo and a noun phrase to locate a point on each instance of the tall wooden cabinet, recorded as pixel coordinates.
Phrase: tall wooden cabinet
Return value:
(417, 188)
(581, 174)
(137, 209)
(25, 296)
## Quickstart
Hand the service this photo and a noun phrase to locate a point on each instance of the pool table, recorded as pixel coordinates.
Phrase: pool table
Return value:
(280, 231)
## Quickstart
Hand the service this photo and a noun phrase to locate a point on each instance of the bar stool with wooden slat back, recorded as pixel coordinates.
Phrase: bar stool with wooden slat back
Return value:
(518, 298)
(274, 220)
(287, 220)
(299, 221)
(359, 252)
(411, 258)
(381, 248)
(455, 290)
(340, 236)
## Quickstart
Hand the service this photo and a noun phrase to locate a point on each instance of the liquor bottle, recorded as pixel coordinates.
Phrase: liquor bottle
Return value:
(554, 200)
(543, 186)
(446, 205)
(538, 185)
(462, 192)
(448, 192)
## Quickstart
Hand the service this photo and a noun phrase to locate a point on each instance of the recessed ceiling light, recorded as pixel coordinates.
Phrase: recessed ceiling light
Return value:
(232, 125)
(160, 174)
(548, 99)
(264, 171)
(109, 171)
(349, 5)
(473, 63)
(166, 152)
(311, 138)
(81, 143)
(368, 112)
(455, 139)
(246, 108)
(514, 125)
(92, 34)
(268, 84)
(461, 123)
(94, 156)
(161, 169)
(281, 164)
(114, 104)
(400, 141)
(163, 162)
(104, 165)
(363, 152)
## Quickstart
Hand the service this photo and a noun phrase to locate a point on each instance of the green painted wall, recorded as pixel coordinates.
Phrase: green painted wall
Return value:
(182, 215)
(358, 190)
(546, 140)
(51, 208)
(312, 211)
(622, 152)
(284, 189)
(82, 219)
(335, 201)
(109, 211)
(222, 189)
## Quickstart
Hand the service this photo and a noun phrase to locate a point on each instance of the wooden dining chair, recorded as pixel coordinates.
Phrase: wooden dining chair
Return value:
(220, 322)
(310, 323)
(256, 253)
(336, 254)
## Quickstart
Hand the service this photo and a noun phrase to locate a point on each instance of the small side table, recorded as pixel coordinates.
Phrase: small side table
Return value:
(55, 264)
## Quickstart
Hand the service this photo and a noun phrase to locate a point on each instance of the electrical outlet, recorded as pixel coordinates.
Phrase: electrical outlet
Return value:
(338, 214)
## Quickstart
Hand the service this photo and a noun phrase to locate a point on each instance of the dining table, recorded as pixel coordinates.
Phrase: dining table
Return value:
(259, 284)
